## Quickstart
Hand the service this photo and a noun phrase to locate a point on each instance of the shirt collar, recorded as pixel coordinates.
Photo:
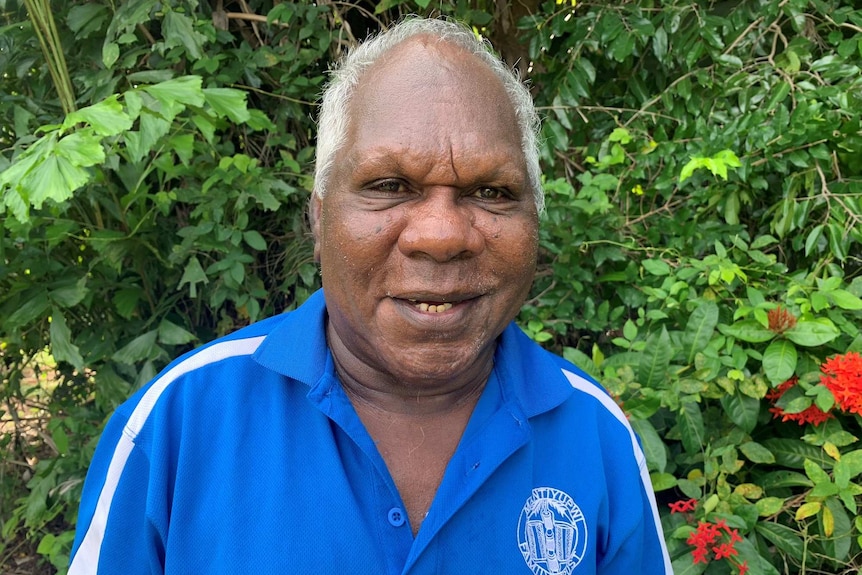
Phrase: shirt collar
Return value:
(528, 375)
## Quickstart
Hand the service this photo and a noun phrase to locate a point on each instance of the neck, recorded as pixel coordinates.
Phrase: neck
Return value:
(423, 395)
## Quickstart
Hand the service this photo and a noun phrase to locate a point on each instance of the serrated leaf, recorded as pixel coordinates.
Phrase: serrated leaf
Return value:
(179, 30)
(70, 295)
(779, 361)
(107, 117)
(227, 102)
(183, 90)
(62, 347)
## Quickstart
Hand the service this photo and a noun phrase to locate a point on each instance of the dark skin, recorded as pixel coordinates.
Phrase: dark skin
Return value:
(427, 239)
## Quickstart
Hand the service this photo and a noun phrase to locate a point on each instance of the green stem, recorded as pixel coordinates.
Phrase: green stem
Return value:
(46, 32)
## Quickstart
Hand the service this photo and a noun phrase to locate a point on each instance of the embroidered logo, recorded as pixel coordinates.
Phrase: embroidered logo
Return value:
(552, 532)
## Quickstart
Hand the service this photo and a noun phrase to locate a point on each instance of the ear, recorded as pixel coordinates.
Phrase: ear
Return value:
(315, 207)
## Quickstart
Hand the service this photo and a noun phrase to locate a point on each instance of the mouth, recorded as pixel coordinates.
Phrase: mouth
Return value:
(431, 307)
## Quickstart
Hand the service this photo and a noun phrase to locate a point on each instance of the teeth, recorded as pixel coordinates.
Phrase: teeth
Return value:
(434, 308)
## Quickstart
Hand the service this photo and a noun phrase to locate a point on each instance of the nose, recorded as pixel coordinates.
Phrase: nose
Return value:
(440, 228)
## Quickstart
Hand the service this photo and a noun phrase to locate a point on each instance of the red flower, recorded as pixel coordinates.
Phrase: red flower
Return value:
(811, 414)
(842, 375)
(682, 505)
(718, 538)
(780, 320)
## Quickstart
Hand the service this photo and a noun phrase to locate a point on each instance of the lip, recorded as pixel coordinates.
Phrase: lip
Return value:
(408, 304)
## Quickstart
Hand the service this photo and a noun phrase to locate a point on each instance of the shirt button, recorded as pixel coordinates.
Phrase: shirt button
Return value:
(396, 517)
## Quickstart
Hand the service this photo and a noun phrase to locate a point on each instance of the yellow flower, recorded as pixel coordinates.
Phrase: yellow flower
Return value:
(638, 190)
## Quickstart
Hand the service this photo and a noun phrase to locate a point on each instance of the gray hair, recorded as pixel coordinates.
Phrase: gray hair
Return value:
(333, 118)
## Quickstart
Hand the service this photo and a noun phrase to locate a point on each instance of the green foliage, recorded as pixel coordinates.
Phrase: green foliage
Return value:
(701, 245)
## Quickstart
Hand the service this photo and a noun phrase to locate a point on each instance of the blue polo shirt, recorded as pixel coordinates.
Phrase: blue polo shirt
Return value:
(246, 457)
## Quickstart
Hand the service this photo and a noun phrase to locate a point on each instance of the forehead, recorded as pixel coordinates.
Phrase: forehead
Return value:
(428, 98)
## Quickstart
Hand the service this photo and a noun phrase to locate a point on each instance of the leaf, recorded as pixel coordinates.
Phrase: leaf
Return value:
(690, 423)
(783, 537)
(845, 300)
(193, 275)
(662, 481)
(654, 448)
(62, 347)
(184, 90)
(81, 149)
(756, 453)
(254, 240)
(699, 328)
(55, 179)
(29, 311)
(106, 117)
(793, 452)
(779, 361)
(172, 334)
(747, 330)
(769, 506)
(812, 333)
(70, 295)
(815, 472)
(847, 468)
(838, 546)
(227, 102)
(808, 510)
(178, 30)
(140, 348)
(655, 359)
(742, 410)
(656, 267)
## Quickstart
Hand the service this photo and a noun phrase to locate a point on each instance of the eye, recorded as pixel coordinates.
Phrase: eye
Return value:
(490, 193)
(388, 187)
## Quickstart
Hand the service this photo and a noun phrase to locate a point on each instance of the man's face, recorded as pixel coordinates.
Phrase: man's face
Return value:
(427, 233)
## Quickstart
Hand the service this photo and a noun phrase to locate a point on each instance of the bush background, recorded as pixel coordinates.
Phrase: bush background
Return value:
(701, 244)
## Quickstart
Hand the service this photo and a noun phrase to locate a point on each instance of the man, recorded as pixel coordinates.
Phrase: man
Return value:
(397, 422)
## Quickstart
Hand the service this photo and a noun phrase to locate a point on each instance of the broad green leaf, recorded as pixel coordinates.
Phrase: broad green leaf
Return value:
(62, 347)
(779, 361)
(742, 410)
(70, 295)
(812, 333)
(747, 330)
(654, 448)
(655, 359)
(183, 90)
(784, 538)
(227, 102)
(140, 348)
(793, 452)
(662, 481)
(815, 472)
(837, 546)
(54, 179)
(107, 117)
(769, 506)
(656, 267)
(110, 54)
(690, 424)
(81, 149)
(844, 299)
(33, 308)
(254, 240)
(756, 453)
(699, 328)
(782, 478)
(178, 30)
(685, 565)
(848, 467)
(172, 334)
